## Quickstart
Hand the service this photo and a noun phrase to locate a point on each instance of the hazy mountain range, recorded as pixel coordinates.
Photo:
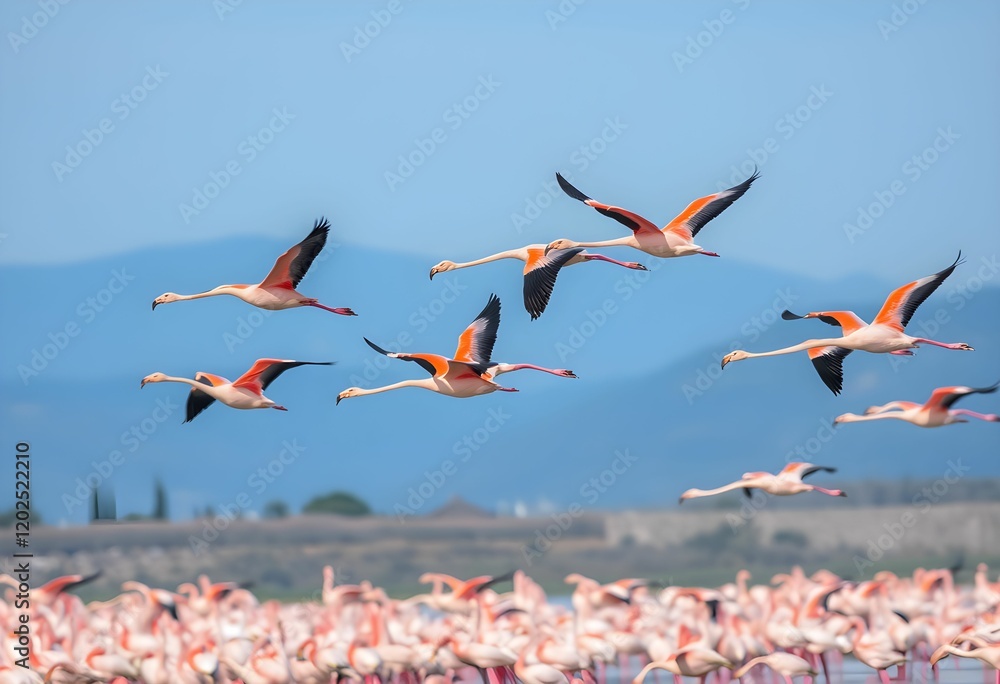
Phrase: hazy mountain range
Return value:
(651, 407)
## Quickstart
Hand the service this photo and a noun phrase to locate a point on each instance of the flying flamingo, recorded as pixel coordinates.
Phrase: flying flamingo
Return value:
(462, 376)
(675, 239)
(246, 393)
(540, 270)
(883, 336)
(277, 290)
(935, 412)
(786, 483)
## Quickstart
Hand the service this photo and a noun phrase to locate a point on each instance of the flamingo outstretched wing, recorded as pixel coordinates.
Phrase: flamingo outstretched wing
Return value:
(945, 397)
(704, 209)
(829, 363)
(292, 266)
(540, 272)
(903, 301)
(199, 401)
(438, 366)
(475, 344)
(801, 470)
(847, 321)
(265, 371)
(629, 219)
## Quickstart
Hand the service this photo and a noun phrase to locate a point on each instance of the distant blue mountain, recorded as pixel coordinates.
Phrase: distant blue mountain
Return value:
(651, 401)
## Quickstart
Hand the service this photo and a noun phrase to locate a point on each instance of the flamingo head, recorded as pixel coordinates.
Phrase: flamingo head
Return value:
(442, 267)
(349, 393)
(165, 298)
(153, 377)
(689, 494)
(561, 243)
(737, 355)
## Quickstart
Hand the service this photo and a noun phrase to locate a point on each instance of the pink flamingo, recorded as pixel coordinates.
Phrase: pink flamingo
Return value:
(883, 336)
(247, 392)
(277, 290)
(540, 270)
(785, 483)
(674, 240)
(935, 412)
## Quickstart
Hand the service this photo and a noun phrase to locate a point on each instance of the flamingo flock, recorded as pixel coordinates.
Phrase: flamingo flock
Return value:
(797, 627)
(469, 630)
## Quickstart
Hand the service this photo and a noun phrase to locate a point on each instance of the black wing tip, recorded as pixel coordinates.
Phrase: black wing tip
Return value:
(322, 224)
(789, 316)
(570, 189)
(831, 372)
(745, 185)
(987, 390)
(376, 347)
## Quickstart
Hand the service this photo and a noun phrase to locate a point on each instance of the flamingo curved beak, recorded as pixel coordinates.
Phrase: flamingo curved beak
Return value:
(154, 305)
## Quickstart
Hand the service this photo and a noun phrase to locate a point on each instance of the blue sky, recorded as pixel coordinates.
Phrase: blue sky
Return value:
(190, 142)
(685, 122)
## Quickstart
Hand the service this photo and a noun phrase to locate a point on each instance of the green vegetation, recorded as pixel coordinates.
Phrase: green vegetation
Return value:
(337, 503)
(9, 517)
(276, 509)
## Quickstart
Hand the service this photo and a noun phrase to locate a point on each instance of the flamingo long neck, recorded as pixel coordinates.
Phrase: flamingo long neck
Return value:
(233, 290)
(207, 389)
(426, 383)
(627, 241)
(719, 490)
(854, 418)
(508, 367)
(510, 254)
(808, 344)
